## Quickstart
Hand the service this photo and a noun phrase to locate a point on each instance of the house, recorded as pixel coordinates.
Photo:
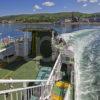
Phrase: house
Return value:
(94, 19)
(65, 20)
(84, 20)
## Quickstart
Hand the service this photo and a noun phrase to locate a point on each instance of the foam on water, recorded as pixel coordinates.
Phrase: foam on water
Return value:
(86, 45)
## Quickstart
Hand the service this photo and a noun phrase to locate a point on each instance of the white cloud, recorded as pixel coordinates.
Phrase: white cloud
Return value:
(48, 4)
(36, 7)
(93, 1)
(82, 0)
(65, 7)
(84, 5)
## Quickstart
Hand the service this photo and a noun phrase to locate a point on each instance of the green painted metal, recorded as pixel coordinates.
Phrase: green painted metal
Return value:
(43, 73)
(34, 98)
(58, 91)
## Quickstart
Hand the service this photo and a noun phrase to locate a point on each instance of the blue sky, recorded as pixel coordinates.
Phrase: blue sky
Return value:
(14, 7)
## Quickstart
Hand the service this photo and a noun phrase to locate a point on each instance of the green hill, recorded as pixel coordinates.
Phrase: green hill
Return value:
(46, 17)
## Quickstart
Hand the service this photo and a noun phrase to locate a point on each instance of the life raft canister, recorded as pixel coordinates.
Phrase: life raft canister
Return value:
(58, 90)
(63, 85)
(55, 97)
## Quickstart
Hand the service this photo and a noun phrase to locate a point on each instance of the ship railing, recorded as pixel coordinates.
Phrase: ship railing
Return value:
(54, 76)
(27, 89)
(25, 92)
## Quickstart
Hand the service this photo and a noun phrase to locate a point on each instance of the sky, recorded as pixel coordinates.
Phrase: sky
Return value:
(16, 7)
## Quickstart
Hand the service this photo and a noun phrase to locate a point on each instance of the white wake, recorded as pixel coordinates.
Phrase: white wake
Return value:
(86, 45)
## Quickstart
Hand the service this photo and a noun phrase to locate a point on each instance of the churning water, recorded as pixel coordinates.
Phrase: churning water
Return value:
(86, 45)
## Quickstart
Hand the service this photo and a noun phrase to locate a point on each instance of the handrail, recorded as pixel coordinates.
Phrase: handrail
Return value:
(43, 89)
(19, 81)
(19, 89)
(49, 79)
(52, 78)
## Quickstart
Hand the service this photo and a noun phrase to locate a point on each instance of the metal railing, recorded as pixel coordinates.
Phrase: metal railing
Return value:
(27, 89)
(54, 76)
(24, 92)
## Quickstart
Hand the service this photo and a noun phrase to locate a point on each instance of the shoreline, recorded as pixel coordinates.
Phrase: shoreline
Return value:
(50, 23)
(79, 23)
(29, 23)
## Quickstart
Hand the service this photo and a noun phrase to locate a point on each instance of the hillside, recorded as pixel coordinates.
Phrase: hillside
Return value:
(46, 17)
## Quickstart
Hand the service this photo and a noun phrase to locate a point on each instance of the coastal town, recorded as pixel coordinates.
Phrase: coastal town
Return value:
(50, 50)
(66, 17)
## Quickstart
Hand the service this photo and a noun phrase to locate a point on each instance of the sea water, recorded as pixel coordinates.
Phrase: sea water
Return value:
(86, 44)
(15, 29)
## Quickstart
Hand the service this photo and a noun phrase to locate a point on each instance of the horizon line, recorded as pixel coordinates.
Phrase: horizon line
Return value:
(46, 13)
